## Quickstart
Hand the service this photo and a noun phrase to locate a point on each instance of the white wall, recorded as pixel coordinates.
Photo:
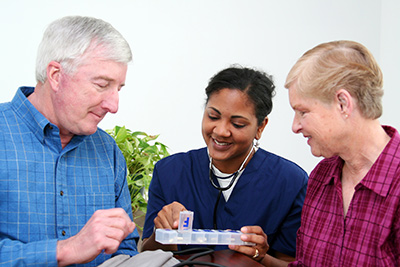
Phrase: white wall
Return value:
(179, 44)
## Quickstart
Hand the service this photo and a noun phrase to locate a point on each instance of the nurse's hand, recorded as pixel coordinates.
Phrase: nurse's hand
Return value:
(258, 237)
(168, 217)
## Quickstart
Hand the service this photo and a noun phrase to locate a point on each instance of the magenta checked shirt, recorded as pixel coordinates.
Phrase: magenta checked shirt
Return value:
(369, 235)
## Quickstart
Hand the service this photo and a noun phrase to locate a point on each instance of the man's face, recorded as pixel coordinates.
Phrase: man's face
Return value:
(84, 97)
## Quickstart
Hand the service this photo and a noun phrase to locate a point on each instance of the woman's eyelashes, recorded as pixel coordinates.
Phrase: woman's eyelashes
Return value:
(235, 124)
(213, 118)
(238, 125)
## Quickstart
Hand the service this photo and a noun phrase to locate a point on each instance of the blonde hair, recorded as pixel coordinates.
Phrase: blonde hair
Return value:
(331, 66)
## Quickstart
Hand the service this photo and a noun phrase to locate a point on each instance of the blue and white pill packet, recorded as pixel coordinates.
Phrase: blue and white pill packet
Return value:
(185, 221)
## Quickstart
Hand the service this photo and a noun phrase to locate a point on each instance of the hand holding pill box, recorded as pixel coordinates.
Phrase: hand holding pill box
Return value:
(186, 235)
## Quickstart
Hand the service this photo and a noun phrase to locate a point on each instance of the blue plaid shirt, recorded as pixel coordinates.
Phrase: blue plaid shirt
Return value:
(48, 193)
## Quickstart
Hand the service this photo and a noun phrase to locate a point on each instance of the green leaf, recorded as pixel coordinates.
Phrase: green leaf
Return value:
(141, 153)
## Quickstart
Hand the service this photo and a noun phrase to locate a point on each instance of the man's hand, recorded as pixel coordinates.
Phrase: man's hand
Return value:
(168, 217)
(104, 232)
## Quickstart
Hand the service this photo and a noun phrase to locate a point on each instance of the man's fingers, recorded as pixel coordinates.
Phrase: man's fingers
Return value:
(116, 217)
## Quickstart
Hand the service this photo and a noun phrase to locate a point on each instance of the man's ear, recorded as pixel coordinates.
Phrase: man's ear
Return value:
(344, 102)
(54, 74)
(260, 128)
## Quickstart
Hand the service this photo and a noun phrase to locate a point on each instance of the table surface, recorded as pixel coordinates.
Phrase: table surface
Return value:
(225, 257)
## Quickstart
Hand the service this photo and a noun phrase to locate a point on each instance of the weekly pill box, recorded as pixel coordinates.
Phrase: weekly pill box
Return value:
(200, 237)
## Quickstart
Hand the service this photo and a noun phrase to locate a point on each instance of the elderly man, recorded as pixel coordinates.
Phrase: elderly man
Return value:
(63, 189)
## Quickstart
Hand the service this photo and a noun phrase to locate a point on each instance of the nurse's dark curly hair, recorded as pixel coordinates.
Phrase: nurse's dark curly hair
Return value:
(258, 86)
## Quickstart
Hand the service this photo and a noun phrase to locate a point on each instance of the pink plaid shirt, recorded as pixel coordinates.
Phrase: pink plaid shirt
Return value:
(370, 233)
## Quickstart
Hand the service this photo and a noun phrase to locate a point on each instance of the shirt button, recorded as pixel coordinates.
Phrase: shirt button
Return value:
(63, 232)
(61, 193)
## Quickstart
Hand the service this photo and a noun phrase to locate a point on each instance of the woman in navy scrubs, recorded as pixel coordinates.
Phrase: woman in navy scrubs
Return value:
(231, 183)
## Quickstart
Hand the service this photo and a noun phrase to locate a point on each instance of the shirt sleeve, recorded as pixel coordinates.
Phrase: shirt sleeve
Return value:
(286, 238)
(396, 234)
(16, 253)
(123, 200)
(154, 205)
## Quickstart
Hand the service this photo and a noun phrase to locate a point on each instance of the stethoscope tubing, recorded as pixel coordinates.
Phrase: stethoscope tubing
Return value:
(221, 189)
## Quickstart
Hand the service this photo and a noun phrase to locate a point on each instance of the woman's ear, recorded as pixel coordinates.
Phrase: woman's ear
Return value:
(344, 101)
(260, 128)
(54, 74)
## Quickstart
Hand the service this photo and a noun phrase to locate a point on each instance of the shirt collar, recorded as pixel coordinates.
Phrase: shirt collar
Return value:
(335, 172)
(35, 120)
(28, 113)
(381, 175)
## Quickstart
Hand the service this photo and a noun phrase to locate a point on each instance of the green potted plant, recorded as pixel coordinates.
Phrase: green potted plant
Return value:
(141, 152)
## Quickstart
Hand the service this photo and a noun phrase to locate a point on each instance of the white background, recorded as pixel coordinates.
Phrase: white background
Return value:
(179, 44)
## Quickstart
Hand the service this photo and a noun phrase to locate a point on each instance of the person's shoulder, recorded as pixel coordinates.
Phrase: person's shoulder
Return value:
(102, 138)
(4, 108)
(276, 161)
(100, 133)
(183, 157)
(394, 135)
(325, 168)
(327, 164)
(7, 117)
(281, 172)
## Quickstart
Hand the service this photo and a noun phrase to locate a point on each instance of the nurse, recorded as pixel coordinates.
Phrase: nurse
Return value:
(232, 183)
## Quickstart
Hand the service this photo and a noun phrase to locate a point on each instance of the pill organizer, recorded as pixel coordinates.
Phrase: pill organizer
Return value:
(200, 237)
(188, 236)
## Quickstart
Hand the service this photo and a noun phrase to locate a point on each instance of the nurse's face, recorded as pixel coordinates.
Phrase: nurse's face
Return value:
(229, 127)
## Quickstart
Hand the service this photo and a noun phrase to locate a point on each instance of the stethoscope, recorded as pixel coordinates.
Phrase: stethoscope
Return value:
(221, 189)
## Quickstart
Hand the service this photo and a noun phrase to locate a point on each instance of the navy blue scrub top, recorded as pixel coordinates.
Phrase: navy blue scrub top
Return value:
(269, 193)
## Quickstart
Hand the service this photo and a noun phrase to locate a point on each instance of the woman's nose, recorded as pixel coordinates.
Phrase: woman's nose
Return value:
(222, 129)
(296, 126)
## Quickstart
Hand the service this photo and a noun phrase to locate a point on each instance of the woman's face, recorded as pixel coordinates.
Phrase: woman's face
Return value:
(229, 127)
(318, 122)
